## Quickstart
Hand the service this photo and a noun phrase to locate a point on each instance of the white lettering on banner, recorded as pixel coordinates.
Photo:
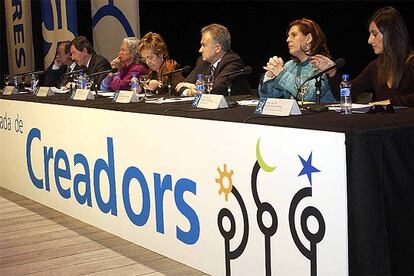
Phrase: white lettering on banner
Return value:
(18, 20)
(18, 33)
(269, 204)
(108, 167)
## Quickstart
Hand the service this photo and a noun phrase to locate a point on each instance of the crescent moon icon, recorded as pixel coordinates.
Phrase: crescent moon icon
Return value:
(259, 158)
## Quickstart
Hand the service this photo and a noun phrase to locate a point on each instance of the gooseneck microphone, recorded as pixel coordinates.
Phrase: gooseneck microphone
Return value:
(245, 71)
(74, 72)
(317, 107)
(170, 74)
(230, 76)
(40, 72)
(112, 70)
(339, 63)
(184, 69)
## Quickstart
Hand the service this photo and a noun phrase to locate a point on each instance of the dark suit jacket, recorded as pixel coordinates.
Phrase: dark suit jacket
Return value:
(229, 63)
(97, 64)
(53, 77)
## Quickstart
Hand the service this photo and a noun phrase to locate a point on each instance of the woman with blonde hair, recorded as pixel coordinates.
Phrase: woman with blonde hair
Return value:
(128, 64)
(154, 52)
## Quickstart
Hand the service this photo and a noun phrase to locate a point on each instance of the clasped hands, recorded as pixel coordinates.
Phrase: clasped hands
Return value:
(274, 66)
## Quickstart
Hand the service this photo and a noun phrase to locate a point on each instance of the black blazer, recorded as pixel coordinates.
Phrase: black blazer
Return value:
(97, 64)
(53, 77)
(229, 63)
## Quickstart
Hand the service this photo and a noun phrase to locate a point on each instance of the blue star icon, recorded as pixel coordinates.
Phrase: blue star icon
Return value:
(308, 169)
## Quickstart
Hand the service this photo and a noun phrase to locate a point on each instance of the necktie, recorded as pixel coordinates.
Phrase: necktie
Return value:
(212, 69)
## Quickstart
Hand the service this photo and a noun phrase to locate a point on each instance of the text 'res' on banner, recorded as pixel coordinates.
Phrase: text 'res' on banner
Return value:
(59, 23)
(19, 36)
(113, 20)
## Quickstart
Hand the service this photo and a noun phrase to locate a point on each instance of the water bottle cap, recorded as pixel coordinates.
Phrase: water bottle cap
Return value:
(199, 76)
(345, 77)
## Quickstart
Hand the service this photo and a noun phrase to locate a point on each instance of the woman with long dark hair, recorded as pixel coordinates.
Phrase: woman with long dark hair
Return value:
(391, 76)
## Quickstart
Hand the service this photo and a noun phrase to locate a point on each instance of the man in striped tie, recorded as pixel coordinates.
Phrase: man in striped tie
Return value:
(218, 59)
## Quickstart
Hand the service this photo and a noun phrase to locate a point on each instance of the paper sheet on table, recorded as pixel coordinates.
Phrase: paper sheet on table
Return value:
(59, 90)
(248, 102)
(106, 94)
(356, 108)
(169, 100)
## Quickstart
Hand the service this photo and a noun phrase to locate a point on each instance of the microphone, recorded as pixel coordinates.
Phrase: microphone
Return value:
(113, 70)
(230, 76)
(32, 72)
(184, 69)
(74, 72)
(339, 63)
(317, 107)
(245, 71)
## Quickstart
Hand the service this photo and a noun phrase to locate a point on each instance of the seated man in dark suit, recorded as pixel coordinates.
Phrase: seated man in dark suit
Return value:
(217, 59)
(62, 64)
(85, 57)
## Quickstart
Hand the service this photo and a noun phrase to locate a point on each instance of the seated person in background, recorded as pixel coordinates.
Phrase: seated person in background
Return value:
(307, 46)
(127, 64)
(61, 65)
(216, 59)
(85, 57)
(154, 52)
(391, 76)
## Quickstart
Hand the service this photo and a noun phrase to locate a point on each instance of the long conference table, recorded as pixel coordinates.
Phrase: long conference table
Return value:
(168, 170)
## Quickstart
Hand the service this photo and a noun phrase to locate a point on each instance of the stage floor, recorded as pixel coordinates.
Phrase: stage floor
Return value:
(38, 240)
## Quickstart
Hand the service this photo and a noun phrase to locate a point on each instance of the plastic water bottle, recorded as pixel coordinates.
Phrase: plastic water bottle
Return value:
(345, 95)
(200, 85)
(81, 82)
(135, 84)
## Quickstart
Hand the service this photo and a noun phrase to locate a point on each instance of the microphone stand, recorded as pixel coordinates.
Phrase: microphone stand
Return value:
(317, 107)
(230, 103)
(96, 90)
(169, 80)
(70, 78)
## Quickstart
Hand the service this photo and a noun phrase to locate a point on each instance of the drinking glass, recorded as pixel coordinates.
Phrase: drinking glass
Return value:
(34, 80)
(89, 83)
(16, 82)
(301, 88)
(209, 82)
(6, 79)
(144, 81)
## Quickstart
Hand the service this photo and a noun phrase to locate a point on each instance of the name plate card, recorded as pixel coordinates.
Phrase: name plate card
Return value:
(82, 95)
(209, 101)
(277, 107)
(126, 96)
(9, 90)
(44, 91)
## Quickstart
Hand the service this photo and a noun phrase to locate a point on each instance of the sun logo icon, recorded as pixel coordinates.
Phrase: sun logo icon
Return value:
(225, 178)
